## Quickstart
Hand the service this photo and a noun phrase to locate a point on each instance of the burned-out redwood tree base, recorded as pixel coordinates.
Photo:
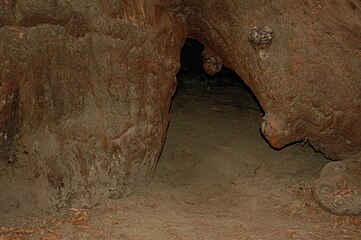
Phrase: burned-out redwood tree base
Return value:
(86, 87)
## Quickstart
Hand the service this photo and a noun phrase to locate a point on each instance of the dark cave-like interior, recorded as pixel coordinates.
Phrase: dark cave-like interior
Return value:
(215, 160)
(192, 74)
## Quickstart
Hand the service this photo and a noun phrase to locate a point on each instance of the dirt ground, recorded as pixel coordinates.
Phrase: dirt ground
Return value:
(217, 179)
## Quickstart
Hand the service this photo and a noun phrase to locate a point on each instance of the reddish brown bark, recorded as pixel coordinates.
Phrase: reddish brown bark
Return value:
(307, 80)
(85, 95)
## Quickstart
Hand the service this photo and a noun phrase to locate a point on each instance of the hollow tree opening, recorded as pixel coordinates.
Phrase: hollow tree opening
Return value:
(193, 74)
(214, 154)
(210, 115)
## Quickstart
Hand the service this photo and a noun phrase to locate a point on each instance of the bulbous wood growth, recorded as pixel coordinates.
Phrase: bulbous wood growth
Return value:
(86, 87)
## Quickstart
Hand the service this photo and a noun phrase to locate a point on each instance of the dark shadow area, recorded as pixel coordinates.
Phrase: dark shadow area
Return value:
(192, 75)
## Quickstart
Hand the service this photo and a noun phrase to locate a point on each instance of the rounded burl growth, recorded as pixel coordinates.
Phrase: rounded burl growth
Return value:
(260, 37)
(274, 129)
(212, 64)
(338, 190)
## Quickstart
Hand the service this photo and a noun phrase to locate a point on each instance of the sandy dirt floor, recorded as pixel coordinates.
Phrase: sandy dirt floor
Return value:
(217, 179)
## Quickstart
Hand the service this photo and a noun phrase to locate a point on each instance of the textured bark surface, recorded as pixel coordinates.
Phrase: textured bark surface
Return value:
(85, 94)
(86, 85)
(306, 74)
(308, 80)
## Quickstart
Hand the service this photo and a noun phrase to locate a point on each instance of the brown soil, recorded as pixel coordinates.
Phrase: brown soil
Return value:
(217, 179)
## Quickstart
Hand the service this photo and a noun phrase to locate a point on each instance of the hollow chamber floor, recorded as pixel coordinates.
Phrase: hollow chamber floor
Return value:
(217, 179)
